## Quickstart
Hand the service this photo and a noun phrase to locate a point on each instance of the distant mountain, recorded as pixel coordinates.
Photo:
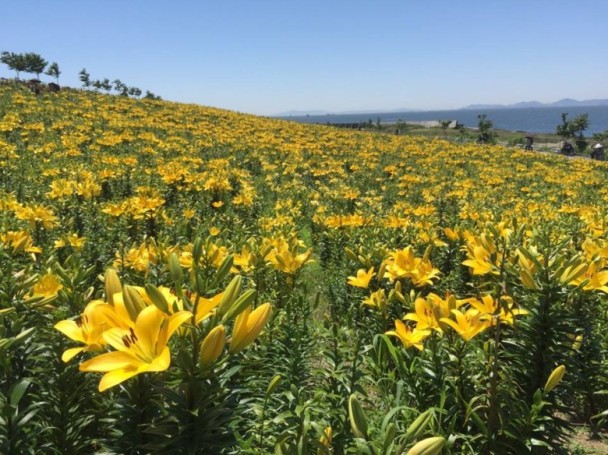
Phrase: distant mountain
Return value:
(369, 111)
(528, 104)
(485, 106)
(301, 113)
(566, 102)
(380, 111)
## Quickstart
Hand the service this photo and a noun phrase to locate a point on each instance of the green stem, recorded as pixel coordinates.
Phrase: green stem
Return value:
(262, 422)
(353, 375)
(493, 401)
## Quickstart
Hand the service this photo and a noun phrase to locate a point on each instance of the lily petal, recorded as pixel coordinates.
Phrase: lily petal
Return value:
(148, 323)
(71, 330)
(69, 354)
(172, 324)
(115, 377)
(110, 361)
(115, 338)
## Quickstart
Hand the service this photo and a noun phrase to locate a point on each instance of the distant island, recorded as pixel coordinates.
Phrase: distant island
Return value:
(566, 102)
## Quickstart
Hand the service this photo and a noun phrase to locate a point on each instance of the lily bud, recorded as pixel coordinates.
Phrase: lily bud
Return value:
(357, 419)
(578, 342)
(399, 296)
(224, 268)
(245, 300)
(175, 269)
(112, 285)
(398, 287)
(133, 301)
(274, 383)
(19, 247)
(157, 298)
(418, 425)
(381, 271)
(350, 254)
(428, 446)
(197, 250)
(527, 280)
(248, 326)
(230, 295)
(212, 346)
(554, 378)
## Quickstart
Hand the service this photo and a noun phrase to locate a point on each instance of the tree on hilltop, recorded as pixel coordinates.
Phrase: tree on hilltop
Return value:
(120, 87)
(151, 96)
(105, 85)
(85, 78)
(34, 63)
(134, 92)
(53, 71)
(15, 62)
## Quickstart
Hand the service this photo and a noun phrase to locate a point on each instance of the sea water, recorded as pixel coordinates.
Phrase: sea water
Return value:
(530, 120)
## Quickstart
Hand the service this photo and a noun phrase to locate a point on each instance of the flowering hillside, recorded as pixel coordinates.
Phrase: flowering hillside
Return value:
(182, 279)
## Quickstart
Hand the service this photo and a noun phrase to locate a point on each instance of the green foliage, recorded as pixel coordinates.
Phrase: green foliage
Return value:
(574, 129)
(484, 125)
(15, 62)
(34, 63)
(53, 71)
(85, 78)
(29, 62)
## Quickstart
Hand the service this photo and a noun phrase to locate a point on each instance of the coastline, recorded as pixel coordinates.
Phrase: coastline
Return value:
(536, 120)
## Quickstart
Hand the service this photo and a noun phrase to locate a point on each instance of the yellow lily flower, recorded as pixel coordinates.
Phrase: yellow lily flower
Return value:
(96, 318)
(206, 306)
(597, 279)
(377, 300)
(243, 261)
(288, 262)
(140, 349)
(325, 440)
(428, 312)
(467, 324)
(424, 273)
(48, 286)
(424, 315)
(248, 325)
(409, 337)
(488, 308)
(479, 260)
(451, 234)
(403, 264)
(362, 279)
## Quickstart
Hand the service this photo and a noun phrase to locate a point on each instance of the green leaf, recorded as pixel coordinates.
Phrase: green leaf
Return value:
(17, 391)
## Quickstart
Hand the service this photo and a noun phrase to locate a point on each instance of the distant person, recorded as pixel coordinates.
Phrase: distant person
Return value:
(567, 149)
(529, 142)
(597, 152)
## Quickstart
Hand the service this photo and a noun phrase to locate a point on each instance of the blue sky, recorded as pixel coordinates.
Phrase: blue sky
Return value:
(271, 56)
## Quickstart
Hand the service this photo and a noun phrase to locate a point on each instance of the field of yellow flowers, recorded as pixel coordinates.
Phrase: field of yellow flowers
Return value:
(181, 279)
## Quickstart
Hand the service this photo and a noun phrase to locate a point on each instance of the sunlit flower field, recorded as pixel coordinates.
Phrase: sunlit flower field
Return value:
(182, 279)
